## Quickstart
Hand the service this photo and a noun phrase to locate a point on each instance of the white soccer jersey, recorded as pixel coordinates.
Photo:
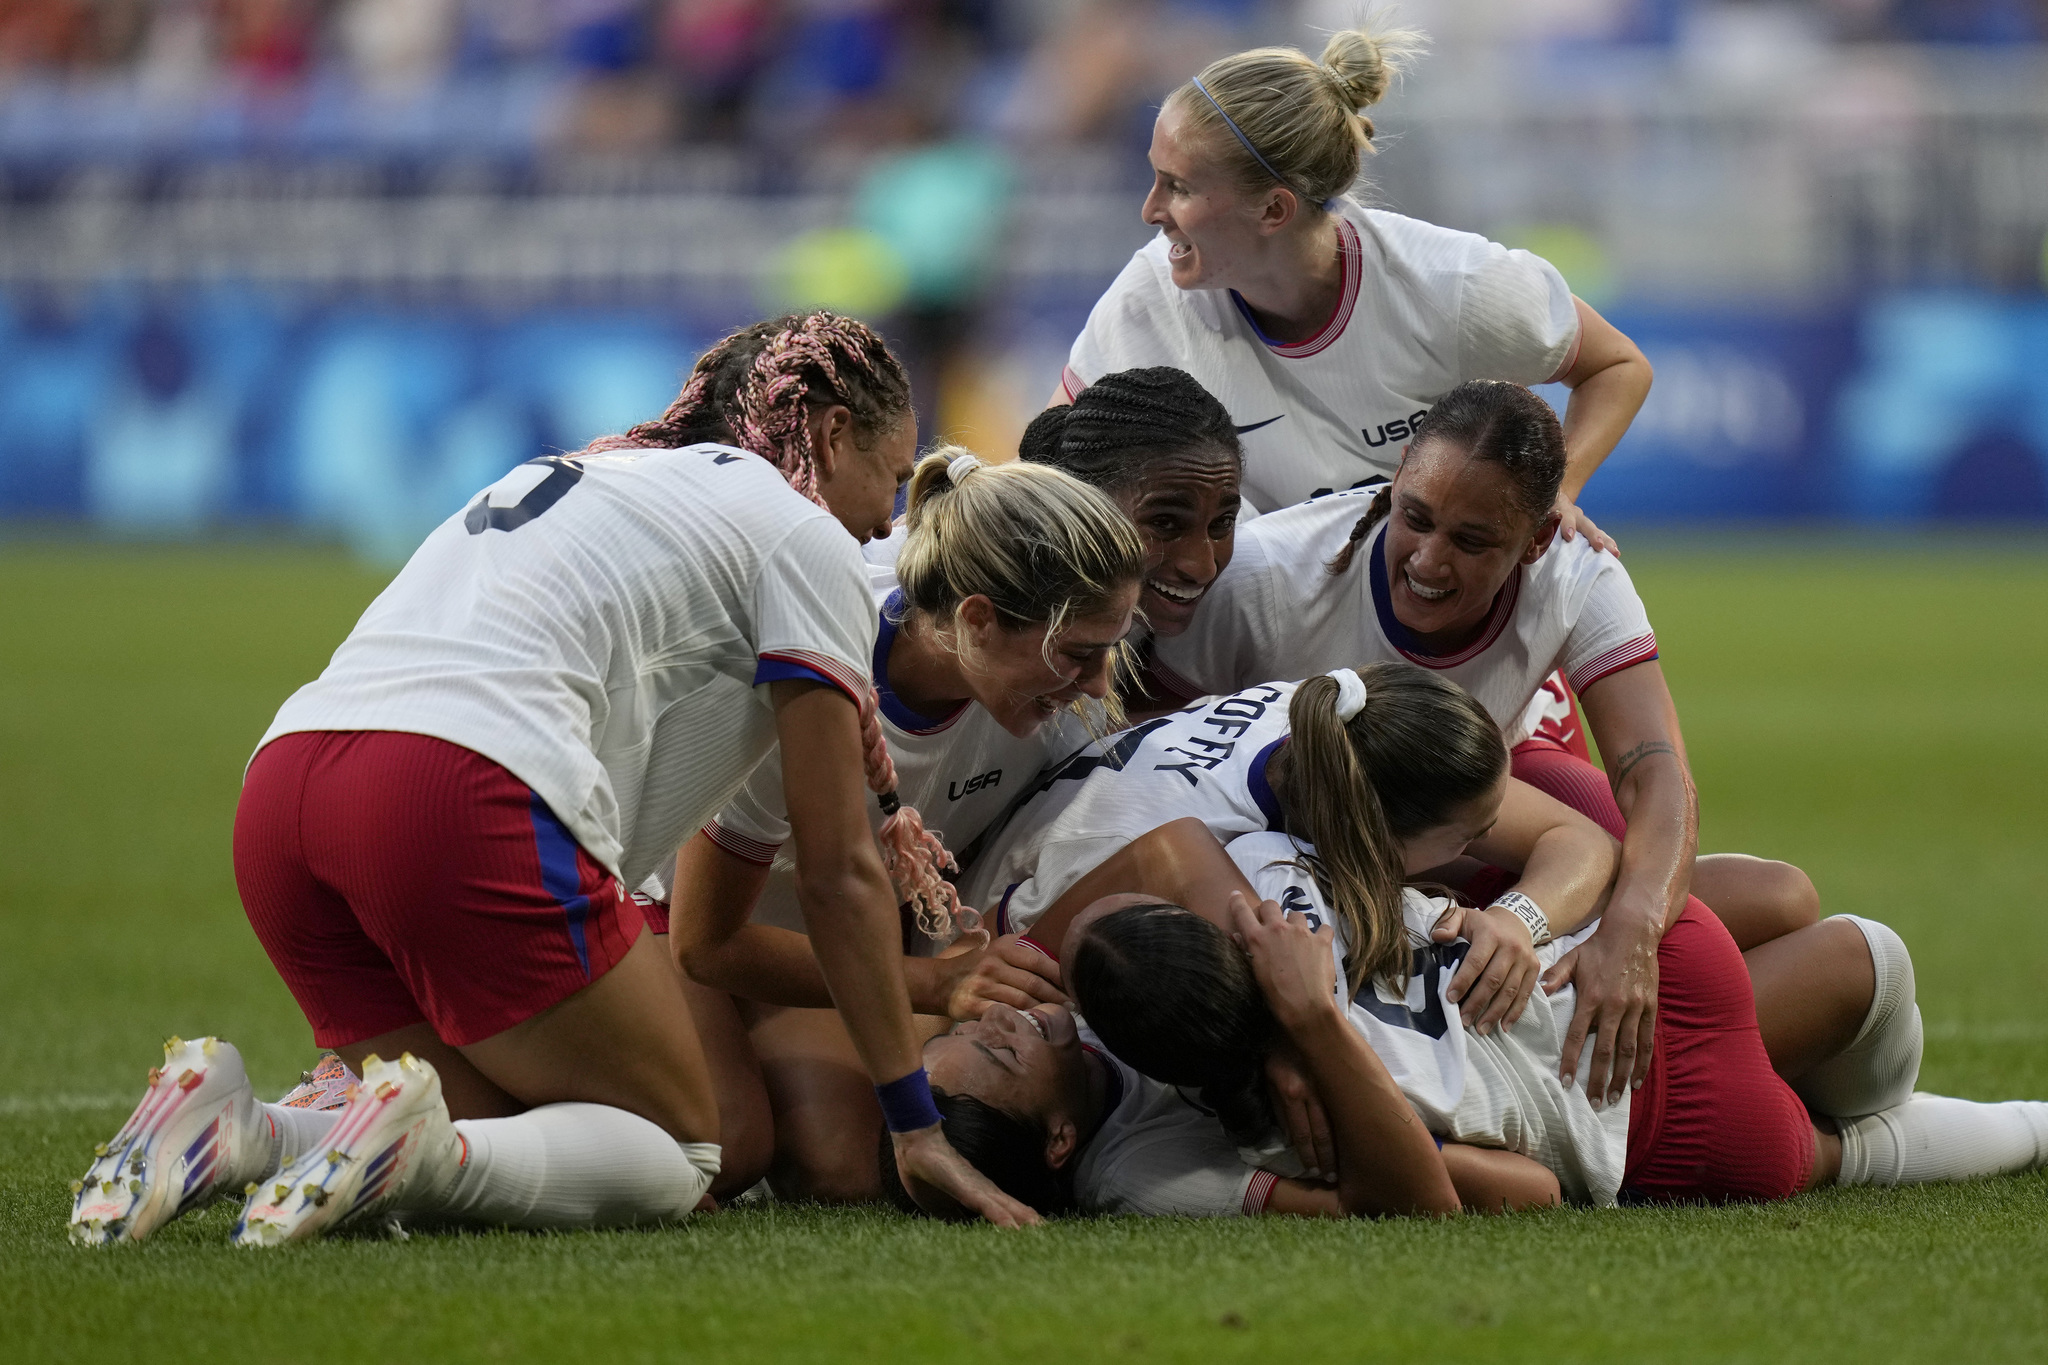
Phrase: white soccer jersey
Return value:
(1159, 1152)
(1277, 612)
(599, 626)
(959, 770)
(1208, 761)
(1423, 309)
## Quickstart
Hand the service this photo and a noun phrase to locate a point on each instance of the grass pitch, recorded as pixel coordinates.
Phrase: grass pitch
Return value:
(1874, 713)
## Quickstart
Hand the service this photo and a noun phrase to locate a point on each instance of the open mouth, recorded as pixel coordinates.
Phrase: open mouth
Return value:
(1186, 597)
(1426, 594)
(1180, 251)
(1039, 1024)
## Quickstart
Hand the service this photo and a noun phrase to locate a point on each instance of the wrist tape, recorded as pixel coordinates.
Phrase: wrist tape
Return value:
(907, 1102)
(1528, 912)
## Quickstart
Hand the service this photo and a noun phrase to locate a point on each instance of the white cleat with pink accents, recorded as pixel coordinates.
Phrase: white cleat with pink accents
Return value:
(198, 1134)
(394, 1138)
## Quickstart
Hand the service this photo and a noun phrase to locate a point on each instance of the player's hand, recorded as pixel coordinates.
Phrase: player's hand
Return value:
(1493, 984)
(1005, 972)
(1301, 1113)
(946, 1186)
(1296, 971)
(1572, 522)
(1615, 973)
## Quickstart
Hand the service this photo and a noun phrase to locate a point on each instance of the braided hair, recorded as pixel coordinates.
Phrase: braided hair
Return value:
(1117, 427)
(757, 388)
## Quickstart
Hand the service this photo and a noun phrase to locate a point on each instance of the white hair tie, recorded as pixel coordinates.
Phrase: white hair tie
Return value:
(1350, 692)
(957, 467)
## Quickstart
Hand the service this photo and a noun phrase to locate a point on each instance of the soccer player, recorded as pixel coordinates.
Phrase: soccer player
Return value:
(1007, 606)
(1325, 328)
(1456, 566)
(568, 677)
(1171, 996)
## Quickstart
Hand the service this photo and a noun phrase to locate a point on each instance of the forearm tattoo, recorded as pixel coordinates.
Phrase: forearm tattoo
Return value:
(1626, 764)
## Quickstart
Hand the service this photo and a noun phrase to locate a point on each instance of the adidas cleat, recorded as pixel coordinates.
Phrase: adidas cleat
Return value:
(197, 1134)
(325, 1087)
(394, 1136)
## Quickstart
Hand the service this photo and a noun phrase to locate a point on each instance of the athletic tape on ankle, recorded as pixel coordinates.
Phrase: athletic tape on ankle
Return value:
(907, 1102)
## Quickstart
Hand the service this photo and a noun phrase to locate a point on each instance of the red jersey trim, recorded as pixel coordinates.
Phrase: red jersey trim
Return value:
(1071, 384)
(741, 846)
(1182, 689)
(1259, 1193)
(1637, 651)
(1351, 257)
(847, 680)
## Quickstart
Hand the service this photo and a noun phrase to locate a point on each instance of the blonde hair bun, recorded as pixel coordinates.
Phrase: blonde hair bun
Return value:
(1363, 64)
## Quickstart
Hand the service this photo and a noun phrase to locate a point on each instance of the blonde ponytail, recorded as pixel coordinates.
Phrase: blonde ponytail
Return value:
(1274, 114)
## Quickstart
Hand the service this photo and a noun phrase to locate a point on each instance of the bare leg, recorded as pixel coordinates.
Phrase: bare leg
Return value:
(744, 1118)
(1758, 899)
(1827, 1159)
(1813, 989)
(826, 1118)
(470, 1094)
(625, 1040)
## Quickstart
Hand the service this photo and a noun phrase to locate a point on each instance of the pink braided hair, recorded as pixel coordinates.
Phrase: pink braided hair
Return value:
(913, 855)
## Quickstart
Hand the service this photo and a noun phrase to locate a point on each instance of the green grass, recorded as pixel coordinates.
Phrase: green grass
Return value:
(1874, 713)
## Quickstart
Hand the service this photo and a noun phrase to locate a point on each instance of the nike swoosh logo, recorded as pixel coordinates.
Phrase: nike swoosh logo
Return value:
(1245, 431)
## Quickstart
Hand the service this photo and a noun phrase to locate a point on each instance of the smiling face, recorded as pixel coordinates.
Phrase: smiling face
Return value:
(1019, 680)
(1030, 1066)
(1444, 843)
(1216, 229)
(1454, 535)
(1186, 509)
(859, 484)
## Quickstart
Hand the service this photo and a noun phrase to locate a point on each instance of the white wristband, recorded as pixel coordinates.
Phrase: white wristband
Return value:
(1528, 912)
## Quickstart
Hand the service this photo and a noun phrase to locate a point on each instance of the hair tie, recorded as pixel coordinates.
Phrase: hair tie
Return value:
(1267, 166)
(959, 465)
(1350, 692)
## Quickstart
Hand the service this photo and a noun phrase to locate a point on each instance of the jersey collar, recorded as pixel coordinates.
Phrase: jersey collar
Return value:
(899, 715)
(1113, 1081)
(1350, 257)
(1401, 638)
(1262, 790)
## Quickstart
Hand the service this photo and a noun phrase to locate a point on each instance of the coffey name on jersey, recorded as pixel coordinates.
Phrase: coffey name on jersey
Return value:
(1276, 611)
(599, 626)
(1422, 309)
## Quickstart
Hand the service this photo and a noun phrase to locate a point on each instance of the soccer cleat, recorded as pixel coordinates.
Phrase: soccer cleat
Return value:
(325, 1087)
(197, 1134)
(394, 1137)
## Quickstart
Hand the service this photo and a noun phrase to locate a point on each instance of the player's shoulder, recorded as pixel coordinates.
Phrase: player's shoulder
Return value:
(1572, 571)
(1289, 537)
(1427, 249)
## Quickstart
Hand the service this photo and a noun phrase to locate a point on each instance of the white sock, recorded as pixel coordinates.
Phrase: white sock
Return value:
(1932, 1137)
(1880, 1066)
(572, 1166)
(293, 1133)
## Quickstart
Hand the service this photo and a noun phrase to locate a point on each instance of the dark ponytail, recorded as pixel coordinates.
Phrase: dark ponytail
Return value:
(1171, 995)
(1118, 426)
(1009, 1151)
(1420, 748)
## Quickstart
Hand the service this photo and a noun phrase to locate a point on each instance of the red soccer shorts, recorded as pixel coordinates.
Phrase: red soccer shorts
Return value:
(395, 877)
(1712, 1121)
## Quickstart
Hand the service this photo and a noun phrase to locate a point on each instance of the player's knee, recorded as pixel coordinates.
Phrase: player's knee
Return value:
(1791, 894)
(748, 1140)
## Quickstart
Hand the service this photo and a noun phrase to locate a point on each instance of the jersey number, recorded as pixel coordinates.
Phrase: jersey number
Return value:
(563, 474)
(1430, 961)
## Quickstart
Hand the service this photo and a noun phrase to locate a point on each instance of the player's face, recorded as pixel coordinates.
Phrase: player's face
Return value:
(1212, 224)
(1027, 1065)
(1186, 509)
(1453, 537)
(1022, 682)
(860, 484)
(1447, 842)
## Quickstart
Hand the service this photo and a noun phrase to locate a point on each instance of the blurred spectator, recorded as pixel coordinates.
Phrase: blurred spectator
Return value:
(270, 42)
(398, 47)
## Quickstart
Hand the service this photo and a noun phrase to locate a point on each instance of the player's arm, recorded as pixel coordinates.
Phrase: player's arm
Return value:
(1387, 1162)
(1615, 971)
(1609, 381)
(850, 910)
(714, 893)
(1487, 1180)
(1180, 862)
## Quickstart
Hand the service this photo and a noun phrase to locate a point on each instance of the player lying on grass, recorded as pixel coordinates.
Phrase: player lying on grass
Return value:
(566, 679)
(1176, 1003)
(1007, 605)
(1456, 566)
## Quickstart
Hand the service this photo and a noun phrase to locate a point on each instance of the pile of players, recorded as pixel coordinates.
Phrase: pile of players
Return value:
(649, 838)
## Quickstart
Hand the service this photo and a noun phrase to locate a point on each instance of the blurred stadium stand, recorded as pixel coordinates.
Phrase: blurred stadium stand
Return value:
(335, 263)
